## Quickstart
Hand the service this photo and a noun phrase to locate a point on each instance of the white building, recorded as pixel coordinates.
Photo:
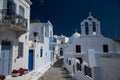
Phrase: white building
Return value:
(40, 46)
(14, 25)
(61, 42)
(87, 54)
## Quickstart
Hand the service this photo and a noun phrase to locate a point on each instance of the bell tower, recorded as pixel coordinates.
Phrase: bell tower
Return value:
(90, 26)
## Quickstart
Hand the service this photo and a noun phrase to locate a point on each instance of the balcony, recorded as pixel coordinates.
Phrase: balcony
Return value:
(13, 21)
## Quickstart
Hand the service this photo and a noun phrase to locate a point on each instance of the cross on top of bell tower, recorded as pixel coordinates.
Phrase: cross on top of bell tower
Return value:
(90, 13)
(75, 30)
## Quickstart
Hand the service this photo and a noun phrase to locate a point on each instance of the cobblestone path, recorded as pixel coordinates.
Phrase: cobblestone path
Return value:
(56, 72)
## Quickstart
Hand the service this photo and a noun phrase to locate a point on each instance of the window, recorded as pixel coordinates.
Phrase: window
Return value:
(94, 26)
(53, 48)
(20, 49)
(35, 34)
(21, 11)
(69, 62)
(86, 28)
(61, 42)
(51, 34)
(88, 71)
(13, 8)
(94, 29)
(78, 48)
(45, 34)
(41, 52)
(61, 51)
(78, 66)
(105, 48)
(8, 8)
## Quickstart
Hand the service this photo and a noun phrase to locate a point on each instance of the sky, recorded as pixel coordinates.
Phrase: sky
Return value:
(66, 15)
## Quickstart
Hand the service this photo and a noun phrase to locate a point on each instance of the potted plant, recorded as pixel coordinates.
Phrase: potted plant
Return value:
(2, 77)
(25, 71)
(21, 71)
(15, 73)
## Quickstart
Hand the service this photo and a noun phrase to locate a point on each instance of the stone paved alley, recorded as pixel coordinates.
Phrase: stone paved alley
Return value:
(56, 72)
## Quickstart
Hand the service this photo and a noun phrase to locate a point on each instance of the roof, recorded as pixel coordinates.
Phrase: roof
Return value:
(29, 2)
(76, 34)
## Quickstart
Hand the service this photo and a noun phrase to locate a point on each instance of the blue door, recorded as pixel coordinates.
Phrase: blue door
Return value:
(5, 58)
(31, 60)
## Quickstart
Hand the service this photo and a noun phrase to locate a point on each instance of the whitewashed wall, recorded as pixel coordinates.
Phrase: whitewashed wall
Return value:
(43, 30)
(93, 42)
(91, 50)
(26, 7)
(12, 36)
(110, 68)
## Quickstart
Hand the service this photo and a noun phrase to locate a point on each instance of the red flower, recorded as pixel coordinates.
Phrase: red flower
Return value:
(21, 71)
(2, 77)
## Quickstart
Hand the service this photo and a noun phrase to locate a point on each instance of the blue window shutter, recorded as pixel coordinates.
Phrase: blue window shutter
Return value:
(21, 11)
(41, 52)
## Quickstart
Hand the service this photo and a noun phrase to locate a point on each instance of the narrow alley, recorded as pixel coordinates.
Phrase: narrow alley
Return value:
(56, 72)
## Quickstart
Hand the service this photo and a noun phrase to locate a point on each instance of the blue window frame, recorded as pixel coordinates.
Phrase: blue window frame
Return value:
(21, 11)
(41, 52)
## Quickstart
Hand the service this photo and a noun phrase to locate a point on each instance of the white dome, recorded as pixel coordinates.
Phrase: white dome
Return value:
(62, 36)
(73, 38)
(76, 34)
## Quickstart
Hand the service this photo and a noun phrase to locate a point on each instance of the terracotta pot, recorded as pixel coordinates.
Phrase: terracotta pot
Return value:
(15, 74)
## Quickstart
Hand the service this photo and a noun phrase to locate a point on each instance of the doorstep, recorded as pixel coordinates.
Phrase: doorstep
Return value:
(23, 77)
(35, 75)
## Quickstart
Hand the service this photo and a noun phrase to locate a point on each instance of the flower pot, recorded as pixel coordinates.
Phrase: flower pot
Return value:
(2, 77)
(26, 71)
(21, 71)
(15, 74)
